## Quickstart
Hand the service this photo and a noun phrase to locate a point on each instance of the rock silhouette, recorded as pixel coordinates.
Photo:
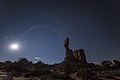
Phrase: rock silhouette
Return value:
(76, 55)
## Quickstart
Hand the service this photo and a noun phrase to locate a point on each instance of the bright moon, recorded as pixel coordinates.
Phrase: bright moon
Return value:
(14, 46)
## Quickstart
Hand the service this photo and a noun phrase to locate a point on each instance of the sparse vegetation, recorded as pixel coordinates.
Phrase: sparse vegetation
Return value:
(62, 71)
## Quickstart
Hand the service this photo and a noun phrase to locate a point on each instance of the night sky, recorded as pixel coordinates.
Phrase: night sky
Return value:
(40, 27)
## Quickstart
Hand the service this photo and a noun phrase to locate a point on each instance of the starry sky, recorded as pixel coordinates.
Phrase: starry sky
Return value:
(40, 27)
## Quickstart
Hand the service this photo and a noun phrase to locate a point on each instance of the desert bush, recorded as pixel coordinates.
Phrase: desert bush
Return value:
(40, 71)
(56, 75)
(109, 73)
(116, 64)
(106, 64)
(87, 74)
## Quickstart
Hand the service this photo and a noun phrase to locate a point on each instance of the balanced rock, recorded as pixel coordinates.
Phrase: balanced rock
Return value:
(76, 55)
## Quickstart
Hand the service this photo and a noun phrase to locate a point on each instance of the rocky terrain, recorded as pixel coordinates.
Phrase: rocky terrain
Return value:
(74, 67)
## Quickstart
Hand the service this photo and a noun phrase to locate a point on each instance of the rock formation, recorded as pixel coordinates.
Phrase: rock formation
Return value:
(66, 43)
(80, 56)
(74, 56)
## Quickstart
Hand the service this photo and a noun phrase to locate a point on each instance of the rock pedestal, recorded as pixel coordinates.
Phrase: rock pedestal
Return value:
(76, 55)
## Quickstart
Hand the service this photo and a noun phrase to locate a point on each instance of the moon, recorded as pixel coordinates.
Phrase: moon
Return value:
(14, 46)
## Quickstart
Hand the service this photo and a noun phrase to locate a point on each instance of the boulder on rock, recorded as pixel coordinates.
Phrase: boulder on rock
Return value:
(76, 55)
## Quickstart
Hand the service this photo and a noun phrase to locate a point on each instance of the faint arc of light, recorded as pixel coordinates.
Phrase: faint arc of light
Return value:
(41, 26)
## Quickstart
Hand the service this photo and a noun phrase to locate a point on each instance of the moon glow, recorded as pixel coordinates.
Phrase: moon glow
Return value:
(14, 46)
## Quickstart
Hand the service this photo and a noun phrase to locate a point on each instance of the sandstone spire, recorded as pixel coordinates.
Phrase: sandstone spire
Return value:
(76, 55)
(66, 43)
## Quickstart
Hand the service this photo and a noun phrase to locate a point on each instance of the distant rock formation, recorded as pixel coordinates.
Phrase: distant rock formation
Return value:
(74, 56)
(66, 43)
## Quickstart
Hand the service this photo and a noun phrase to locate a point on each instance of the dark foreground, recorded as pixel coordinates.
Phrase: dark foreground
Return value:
(26, 70)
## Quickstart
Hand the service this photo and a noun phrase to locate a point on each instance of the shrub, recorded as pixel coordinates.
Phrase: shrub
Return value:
(87, 74)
